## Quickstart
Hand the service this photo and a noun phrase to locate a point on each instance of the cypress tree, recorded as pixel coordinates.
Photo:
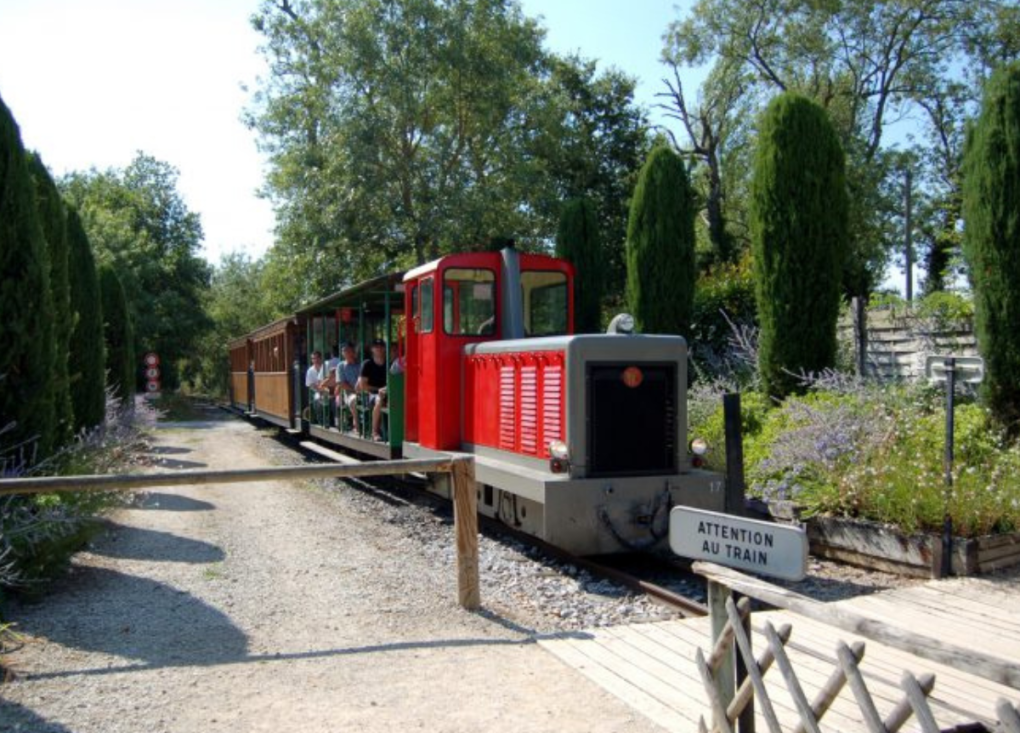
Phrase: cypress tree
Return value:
(118, 333)
(87, 361)
(577, 241)
(26, 307)
(53, 220)
(991, 239)
(798, 222)
(660, 246)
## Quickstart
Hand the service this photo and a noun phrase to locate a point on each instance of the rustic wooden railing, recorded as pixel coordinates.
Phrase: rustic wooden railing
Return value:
(732, 698)
(461, 469)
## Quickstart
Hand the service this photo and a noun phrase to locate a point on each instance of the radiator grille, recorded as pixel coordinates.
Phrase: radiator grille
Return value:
(507, 393)
(552, 405)
(631, 430)
(529, 410)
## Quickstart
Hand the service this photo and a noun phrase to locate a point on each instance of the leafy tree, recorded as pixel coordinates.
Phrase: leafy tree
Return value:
(578, 242)
(799, 213)
(236, 303)
(118, 334)
(991, 210)
(138, 222)
(591, 141)
(400, 130)
(52, 218)
(870, 65)
(660, 246)
(87, 359)
(26, 328)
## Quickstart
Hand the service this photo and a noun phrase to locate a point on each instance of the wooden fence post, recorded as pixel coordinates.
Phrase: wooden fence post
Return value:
(718, 594)
(465, 520)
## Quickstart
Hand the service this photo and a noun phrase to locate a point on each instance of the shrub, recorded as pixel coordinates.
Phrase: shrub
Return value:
(87, 360)
(723, 299)
(991, 240)
(26, 306)
(577, 241)
(798, 222)
(53, 220)
(660, 246)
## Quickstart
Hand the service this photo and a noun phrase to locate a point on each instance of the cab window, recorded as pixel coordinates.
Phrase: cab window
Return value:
(426, 308)
(546, 309)
(469, 301)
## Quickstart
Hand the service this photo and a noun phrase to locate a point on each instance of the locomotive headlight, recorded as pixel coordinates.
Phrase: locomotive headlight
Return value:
(699, 446)
(558, 449)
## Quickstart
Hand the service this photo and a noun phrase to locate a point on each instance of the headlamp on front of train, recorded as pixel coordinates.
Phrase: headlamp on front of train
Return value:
(559, 457)
(699, 449)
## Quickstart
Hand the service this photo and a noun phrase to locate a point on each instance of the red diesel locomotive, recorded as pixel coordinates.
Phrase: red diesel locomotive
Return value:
(580, 440)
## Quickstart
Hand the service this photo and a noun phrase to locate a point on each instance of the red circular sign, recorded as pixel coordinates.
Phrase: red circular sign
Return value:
(152, 372)
(152, 359)
(632, 377)
(152, 386)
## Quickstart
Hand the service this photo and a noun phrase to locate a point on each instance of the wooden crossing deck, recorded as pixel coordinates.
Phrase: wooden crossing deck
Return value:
(651, 666)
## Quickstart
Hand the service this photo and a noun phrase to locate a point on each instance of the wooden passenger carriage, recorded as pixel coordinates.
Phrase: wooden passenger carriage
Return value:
(273, 350)
(240, 375)
(361, 314)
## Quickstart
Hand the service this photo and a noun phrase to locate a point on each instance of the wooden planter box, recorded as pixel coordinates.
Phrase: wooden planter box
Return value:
(878, 547)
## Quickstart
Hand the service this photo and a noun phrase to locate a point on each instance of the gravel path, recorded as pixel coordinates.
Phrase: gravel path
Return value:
(319, 606)
(294, 607)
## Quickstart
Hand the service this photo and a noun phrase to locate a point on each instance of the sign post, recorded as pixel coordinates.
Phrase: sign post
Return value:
(747, 544)
(152, 374)
(950, 369)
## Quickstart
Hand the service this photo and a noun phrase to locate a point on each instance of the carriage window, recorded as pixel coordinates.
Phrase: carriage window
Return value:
(426, 307)
(546, 309)
(469, 302)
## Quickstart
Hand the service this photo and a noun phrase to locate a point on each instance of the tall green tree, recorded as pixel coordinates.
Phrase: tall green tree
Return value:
(118, 335)
(26, 327)
(236, 303)
(401, 130)
(590, 141)
(577, 241)
(661, 268)
(138, 222)
(53, 220)
(991, 210)
(87, 360)
(870, 65)
(799, 211)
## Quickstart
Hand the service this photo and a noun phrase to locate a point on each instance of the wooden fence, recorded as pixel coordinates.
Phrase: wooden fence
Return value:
(732, 696)
(461, 469)
(898, 342)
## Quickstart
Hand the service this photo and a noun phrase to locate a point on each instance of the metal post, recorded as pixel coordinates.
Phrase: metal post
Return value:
(947, 523)
(861, 333)
(724, 677)
(734, 500)
(908, 244)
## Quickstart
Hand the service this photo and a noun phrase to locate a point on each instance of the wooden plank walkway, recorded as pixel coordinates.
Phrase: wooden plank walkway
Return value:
(651, 666)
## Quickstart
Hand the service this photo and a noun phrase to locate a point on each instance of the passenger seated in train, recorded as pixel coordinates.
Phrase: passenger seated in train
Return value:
(347, 374)
(373, 381)
(316, 379)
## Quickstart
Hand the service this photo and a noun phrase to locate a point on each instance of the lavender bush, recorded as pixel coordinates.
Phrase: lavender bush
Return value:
(38, 533)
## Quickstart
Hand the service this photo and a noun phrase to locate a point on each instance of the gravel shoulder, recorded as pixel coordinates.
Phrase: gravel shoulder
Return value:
(303, 607)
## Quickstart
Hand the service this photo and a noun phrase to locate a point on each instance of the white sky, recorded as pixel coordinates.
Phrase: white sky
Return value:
(91, 82)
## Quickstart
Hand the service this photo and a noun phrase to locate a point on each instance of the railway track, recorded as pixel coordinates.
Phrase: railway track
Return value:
(637, 572)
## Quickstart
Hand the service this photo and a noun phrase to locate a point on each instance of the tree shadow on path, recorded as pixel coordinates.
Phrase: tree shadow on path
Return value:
(156, 500)
(109, 612)
(135, 543)
(15, 717)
